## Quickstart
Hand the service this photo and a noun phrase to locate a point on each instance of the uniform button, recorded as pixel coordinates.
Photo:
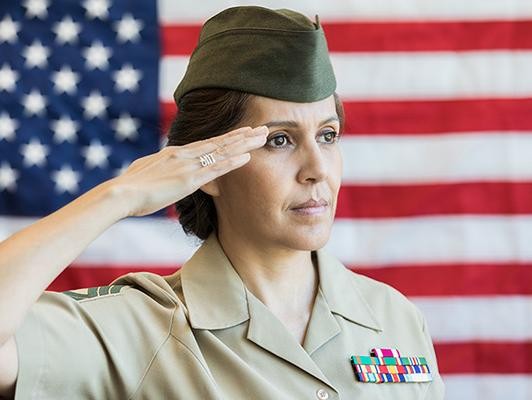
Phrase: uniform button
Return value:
(322, 394)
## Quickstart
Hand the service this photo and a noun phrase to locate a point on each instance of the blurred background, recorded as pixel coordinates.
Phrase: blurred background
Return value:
(437, 191)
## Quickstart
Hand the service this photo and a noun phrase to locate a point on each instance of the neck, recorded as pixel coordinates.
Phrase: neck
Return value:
(285, 280)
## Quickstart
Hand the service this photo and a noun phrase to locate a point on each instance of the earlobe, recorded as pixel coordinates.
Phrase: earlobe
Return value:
(211, 188)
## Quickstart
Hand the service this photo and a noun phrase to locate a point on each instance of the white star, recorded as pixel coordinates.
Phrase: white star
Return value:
(36, 8)
(8, 126)
(65, 130)
(126, 127)
(8, 78)
(128, 29)
(96, 8)
(36, 55)
(96, 154)
(95, 105)
(66, 31)
(8, 177)
(126, 78)
(122, 169)
(8, 30)
(34, 153)
(97, 56)
(34, 103)
(66, 180)
(65, 80)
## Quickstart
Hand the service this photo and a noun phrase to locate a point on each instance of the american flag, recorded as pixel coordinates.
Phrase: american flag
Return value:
(437, 191)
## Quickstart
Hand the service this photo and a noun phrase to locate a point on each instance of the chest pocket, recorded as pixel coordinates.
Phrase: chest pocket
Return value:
(386, 391)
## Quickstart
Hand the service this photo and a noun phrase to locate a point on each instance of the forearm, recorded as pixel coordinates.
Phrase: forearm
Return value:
(32, 258)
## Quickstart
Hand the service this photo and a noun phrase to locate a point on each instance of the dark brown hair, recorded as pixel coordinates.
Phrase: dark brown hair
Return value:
(206, 113)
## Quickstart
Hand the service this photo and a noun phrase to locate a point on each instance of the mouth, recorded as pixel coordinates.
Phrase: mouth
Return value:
(311, 207)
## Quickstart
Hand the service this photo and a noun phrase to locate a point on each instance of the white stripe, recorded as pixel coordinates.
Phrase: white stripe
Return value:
(171, 71)
(381, 159)
(181, 11)
(134, 241)
(364, 242)
(416, 75)
(435, 239)
(151, 241)
(467, 318)
(488, 387)
(433, 75)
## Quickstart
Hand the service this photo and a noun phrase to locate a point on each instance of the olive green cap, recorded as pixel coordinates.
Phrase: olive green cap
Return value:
(280, 54)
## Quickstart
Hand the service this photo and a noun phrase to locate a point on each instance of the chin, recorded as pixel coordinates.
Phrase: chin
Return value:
(308, 240)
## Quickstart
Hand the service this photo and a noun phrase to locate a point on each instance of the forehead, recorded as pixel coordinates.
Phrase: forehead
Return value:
(261, 110)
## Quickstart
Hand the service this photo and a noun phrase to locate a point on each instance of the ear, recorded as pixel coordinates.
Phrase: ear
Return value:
(211, 188)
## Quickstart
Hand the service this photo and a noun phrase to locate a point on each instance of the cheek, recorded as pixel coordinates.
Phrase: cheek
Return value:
(335, 162)
(253, 185)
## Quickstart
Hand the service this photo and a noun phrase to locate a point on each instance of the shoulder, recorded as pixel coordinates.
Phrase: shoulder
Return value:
(93, 292)
(380, 294)
(123, 305)
(103, 337)
(388, 303)
(139, 286)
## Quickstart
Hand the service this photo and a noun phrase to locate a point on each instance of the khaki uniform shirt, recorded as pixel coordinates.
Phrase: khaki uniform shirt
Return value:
(200, 334)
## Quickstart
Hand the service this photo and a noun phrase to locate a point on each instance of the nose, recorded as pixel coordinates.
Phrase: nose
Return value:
(313, 164)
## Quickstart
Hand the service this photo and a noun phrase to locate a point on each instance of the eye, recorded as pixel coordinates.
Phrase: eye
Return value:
(278, 141)
(329, 137)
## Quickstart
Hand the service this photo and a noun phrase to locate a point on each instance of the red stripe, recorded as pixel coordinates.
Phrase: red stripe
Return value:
(168, 110)
(412, 280)
(85, 275)
(391, 201)
(437, 116)
(484, 357)
(424, 117)
(391, 36)
(454, 279)
(179, 39)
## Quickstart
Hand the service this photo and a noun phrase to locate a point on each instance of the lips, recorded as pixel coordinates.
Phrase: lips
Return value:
(311, 204)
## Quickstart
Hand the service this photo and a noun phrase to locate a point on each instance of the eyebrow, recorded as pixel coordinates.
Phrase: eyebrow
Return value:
(294, 124)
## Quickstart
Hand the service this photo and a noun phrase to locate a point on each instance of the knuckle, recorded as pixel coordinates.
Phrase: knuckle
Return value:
(174, 152)
(222, 149)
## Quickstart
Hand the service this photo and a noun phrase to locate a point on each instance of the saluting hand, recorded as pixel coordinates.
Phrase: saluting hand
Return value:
(160, 179)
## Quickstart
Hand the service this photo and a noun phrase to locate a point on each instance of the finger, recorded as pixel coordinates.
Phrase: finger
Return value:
(233, 143)
(207, 174)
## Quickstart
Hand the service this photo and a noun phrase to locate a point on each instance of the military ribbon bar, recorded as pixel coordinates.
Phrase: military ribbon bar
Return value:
(387, 366)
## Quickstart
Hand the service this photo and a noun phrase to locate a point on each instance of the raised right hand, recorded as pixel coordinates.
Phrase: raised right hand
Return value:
(155, 181)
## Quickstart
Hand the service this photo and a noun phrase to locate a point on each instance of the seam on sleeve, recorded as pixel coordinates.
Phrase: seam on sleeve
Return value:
(150, 363)
(207, 372)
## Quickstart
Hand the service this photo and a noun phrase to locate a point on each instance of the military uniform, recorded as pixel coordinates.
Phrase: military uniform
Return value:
(200, 334)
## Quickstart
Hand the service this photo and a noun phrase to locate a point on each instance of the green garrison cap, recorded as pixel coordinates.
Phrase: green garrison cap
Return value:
(273, 53)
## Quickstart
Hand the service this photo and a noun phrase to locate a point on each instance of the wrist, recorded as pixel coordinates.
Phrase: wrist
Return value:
(114, 198)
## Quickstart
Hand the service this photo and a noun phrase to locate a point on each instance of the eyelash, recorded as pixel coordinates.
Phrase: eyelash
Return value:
(270, 140)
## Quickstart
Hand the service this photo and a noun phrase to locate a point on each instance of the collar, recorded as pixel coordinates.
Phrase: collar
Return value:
(215, 295)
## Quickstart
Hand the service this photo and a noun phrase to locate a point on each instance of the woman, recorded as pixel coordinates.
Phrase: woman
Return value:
(259, 311)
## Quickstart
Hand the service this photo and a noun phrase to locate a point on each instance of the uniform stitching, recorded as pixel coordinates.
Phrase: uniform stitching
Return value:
(150, 363)
(207, 372)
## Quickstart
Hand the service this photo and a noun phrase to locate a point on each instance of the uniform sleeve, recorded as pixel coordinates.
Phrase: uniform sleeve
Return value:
(94, 348)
